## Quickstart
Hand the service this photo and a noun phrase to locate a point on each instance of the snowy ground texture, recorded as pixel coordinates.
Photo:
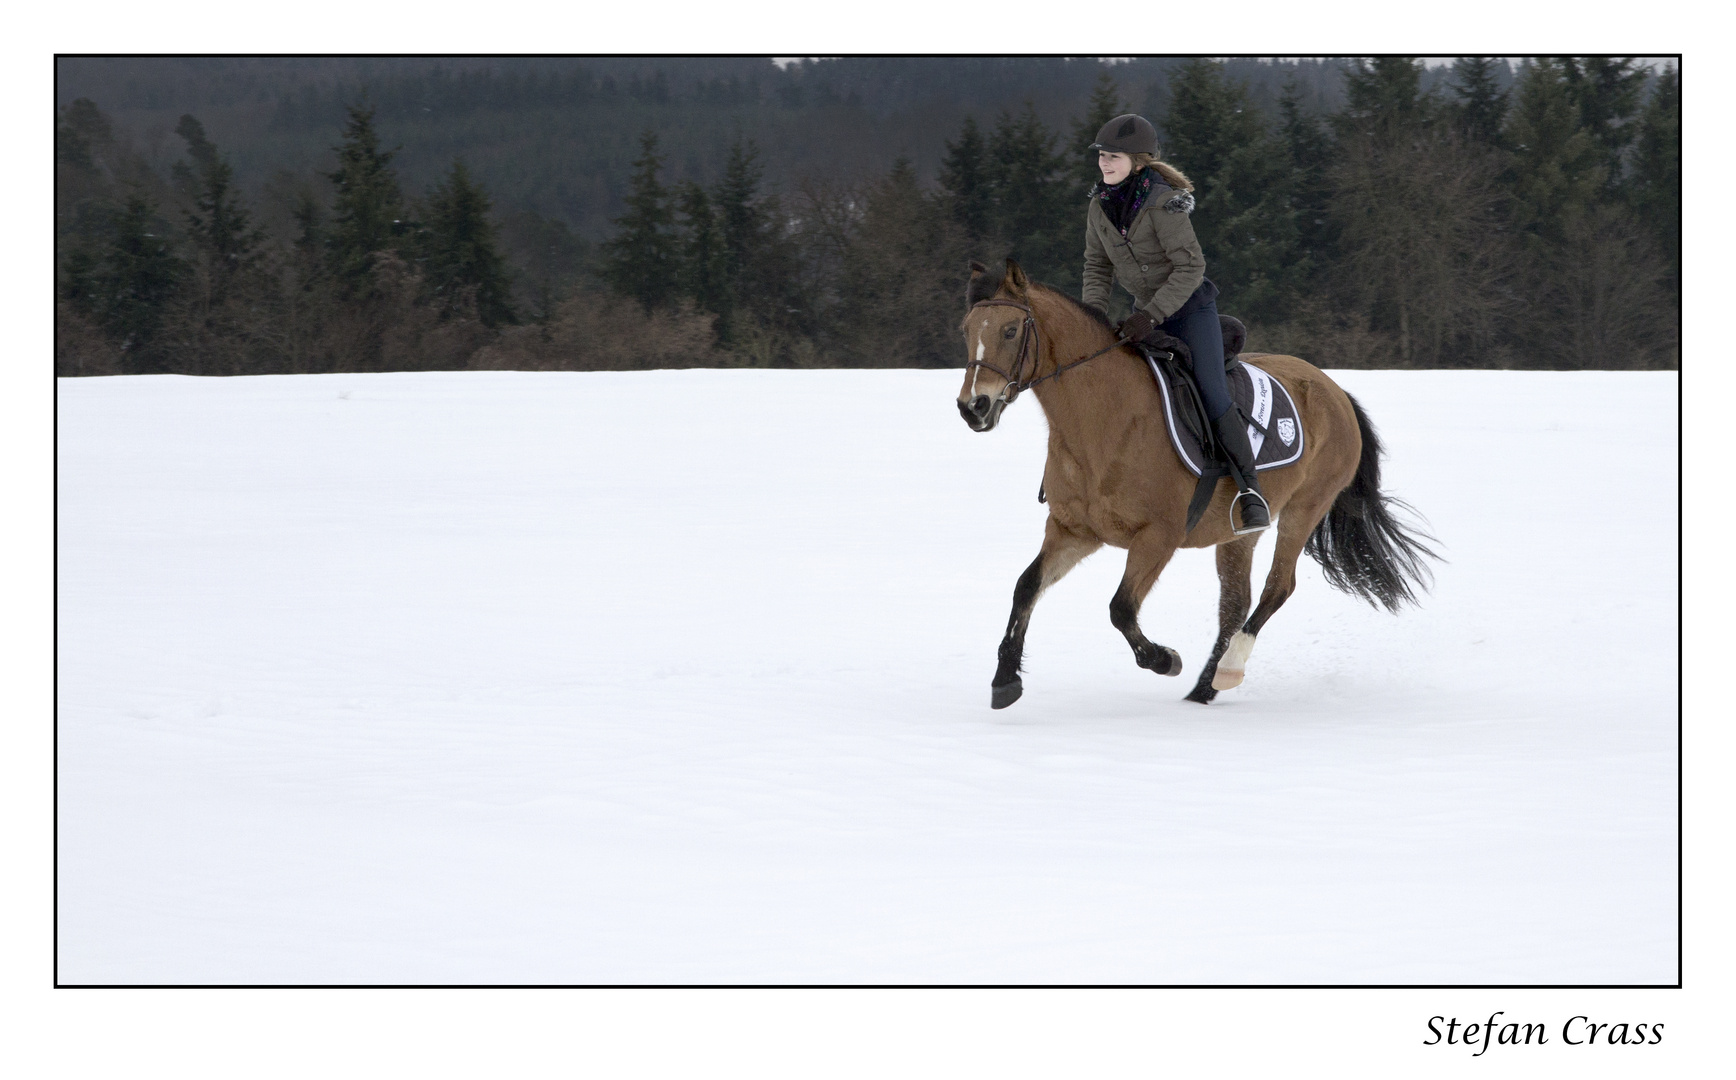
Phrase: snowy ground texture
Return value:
(683, 677)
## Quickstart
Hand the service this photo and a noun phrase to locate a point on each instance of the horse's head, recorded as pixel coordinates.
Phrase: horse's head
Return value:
(1000, 340)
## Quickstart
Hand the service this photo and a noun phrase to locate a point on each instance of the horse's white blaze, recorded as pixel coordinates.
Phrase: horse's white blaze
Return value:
(974, 372)
(1234, 663)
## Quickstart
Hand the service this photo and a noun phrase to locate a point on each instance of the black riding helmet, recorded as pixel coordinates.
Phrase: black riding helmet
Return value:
(1128, 133)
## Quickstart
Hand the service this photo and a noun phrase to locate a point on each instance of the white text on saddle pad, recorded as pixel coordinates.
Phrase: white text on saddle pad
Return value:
(1261, 411)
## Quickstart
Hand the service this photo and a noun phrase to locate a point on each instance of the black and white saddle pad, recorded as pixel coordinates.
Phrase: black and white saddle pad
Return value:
(1262, 399)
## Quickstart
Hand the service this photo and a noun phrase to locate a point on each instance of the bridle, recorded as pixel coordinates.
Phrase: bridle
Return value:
(1029, 346)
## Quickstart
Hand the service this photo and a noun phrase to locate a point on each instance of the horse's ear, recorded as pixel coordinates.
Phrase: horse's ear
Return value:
(982, 285)
(1015, 283)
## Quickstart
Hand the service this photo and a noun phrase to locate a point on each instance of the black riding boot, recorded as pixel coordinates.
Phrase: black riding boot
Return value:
(1233, 439)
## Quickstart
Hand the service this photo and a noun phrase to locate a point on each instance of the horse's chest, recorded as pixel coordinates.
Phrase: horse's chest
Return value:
(1093, 499)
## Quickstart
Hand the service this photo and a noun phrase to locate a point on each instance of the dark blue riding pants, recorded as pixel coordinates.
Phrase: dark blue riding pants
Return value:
(1205, 339)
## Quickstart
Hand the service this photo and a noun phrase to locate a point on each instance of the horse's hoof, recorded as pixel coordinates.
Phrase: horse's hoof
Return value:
(1226, 680)
(1002, 696)
(1163, 660)
(1201, 694)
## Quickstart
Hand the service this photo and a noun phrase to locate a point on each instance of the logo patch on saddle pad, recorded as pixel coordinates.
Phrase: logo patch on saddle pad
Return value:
(1260, 397)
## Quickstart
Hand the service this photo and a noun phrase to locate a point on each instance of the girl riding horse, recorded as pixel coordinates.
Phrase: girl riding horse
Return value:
(1113, 477)
(1137, 232)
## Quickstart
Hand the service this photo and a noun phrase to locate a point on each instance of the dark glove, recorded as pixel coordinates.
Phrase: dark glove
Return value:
(1136, 326)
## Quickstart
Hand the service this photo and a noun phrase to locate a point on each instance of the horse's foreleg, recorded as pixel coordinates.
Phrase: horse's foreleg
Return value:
(1146, 557)
(1061, 552)
(1293, 530)
(1235, 585)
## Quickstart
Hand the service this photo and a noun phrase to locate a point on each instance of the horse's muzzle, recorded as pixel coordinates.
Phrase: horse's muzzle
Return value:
(981, 411)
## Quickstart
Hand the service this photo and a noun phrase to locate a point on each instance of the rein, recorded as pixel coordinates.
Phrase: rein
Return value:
(1027, 339)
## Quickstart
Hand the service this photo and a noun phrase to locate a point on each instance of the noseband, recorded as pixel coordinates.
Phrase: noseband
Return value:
(1028, 346)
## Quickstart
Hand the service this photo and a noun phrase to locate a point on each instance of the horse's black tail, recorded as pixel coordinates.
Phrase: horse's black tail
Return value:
(1360, 546)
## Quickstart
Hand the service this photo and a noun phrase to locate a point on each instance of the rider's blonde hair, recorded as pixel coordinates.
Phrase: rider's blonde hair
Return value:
(1172, 176)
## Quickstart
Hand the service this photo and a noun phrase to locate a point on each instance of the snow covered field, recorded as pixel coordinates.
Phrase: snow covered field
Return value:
(683, 677)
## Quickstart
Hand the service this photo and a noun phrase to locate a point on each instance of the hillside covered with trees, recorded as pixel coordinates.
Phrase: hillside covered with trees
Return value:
(279, 215)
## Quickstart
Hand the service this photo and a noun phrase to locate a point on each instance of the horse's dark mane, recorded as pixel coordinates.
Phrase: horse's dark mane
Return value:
(984, 284)
(1100, 318)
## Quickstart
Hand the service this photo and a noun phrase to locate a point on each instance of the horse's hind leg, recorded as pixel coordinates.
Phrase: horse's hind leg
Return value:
(1146, 557)
(1294, 528)
(1061, 552)
(1235, 586)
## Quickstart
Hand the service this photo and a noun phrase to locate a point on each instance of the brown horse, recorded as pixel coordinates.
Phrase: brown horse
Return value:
(1112, 477)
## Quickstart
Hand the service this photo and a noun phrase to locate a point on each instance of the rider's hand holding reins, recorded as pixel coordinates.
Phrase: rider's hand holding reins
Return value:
(1136, 326)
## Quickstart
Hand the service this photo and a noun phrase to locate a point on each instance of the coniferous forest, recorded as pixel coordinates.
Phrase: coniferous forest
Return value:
(279, 215)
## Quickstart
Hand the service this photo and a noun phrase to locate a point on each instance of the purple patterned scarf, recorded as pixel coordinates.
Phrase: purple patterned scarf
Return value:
(1121, 203)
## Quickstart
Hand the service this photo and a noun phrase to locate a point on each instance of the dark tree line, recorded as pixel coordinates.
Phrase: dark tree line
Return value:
(1486, 222)
(176, 276)
(1462, 217)
(558, 135)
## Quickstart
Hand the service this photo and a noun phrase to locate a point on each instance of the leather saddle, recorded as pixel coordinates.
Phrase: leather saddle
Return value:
(1178, 365)
(1235, 336)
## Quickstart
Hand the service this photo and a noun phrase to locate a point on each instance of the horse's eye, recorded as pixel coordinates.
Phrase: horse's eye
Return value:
(1009, 331)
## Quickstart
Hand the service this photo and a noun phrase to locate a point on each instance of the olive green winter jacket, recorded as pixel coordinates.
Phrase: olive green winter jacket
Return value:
(1159, 262)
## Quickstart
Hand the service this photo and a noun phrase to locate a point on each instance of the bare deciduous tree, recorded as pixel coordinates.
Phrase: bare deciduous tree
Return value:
(1425, 249)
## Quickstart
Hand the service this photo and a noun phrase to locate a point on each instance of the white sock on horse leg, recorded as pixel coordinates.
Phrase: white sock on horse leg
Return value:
(1234, 663)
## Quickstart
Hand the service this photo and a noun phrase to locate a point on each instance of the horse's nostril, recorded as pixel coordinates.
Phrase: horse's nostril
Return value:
(980, 404)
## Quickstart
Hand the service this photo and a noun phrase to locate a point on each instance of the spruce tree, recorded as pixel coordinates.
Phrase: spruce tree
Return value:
(1384, 99)
(1481, 105)
(761, 269)
(1104, 106)
(84, 197)
(1594, 281)
(1208, 118)
(460, 257)
(1247, 194)
(1308, 147)
(304, 301)
(703, 275)
(1657, 167)
(131, 287)
(1039, 205)
(1255, 250)
(1557, 168)
(369, 208)
(223, 237)
(80, 133)
(742, 223)
(641, 260)
(964, 179)
(1606, 90)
